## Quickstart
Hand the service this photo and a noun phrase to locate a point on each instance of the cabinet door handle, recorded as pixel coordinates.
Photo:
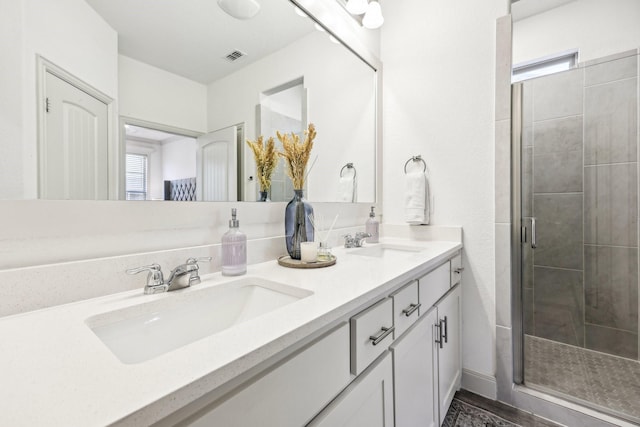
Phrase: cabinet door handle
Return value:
(409, 310)
(459, 270)
(439, 326)
(384, 332)
(445, 334)
(534, 244)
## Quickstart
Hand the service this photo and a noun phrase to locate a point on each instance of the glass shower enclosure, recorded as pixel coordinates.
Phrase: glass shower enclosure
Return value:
(575, 234)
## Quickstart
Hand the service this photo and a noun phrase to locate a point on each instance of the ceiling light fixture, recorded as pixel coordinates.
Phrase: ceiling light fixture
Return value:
(373, 17)
(240, 9)
(357, 7)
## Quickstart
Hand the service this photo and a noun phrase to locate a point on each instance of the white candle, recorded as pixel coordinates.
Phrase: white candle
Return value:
(308, 251)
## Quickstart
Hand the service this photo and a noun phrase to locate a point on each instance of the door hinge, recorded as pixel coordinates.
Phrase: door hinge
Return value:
(47, 104)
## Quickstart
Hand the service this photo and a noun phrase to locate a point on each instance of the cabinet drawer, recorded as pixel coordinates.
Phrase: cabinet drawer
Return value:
(456, 269)
(433, 286)
(371, 334)
(405, 308)
(288, 395)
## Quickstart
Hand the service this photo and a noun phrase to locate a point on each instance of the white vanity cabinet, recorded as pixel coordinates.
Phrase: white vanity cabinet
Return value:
(368, 401)
(415, 374)
(427, 358)
(396, 362)
(449, 357)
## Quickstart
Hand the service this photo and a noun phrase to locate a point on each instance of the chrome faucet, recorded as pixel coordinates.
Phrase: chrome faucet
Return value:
(180, 277)
(355, 242)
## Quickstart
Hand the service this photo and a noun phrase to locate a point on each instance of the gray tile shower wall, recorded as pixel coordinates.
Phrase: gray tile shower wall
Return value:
(580, 180)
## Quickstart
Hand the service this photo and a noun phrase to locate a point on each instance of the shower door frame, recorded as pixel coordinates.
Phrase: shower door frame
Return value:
(518, 236)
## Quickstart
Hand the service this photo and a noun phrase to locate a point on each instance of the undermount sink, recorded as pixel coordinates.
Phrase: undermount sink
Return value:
(141, 332)
(384, 249)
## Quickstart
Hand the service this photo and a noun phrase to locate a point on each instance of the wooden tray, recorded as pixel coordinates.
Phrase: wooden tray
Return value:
(286, 261)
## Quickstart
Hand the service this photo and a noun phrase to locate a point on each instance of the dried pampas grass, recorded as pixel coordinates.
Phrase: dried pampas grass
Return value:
(266, 158)
(297, 154)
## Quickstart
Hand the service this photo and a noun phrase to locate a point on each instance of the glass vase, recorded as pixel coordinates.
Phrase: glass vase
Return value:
(297, 226)
(264, 196)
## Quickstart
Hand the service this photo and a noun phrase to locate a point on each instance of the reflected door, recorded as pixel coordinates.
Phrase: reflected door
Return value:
(217, 165)
(73, 155)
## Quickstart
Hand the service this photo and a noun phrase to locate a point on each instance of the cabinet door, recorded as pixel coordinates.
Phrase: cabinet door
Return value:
(368, 401)
(415, 381)
(449, 356)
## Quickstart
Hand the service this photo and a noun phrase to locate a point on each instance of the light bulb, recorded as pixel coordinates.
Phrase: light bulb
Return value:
(373, 18)
(357, 7)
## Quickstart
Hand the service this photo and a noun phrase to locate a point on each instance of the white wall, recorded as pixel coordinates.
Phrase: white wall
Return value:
(179, 158)
(334, 78)
(49, 29)
(154, 95)
(439, 68)
(596, 27)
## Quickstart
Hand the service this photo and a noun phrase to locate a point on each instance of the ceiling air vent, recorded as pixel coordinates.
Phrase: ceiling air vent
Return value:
(235, 55)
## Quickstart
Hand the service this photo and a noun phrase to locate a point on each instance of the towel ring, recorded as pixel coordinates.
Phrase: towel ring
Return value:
(417, 158)
(349, 166)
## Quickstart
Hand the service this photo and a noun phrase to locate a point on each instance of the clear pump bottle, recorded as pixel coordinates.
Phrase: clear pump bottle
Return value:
(372, 226)
(234, 249)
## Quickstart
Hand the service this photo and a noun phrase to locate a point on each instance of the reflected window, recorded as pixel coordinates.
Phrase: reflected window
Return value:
(544, 66)
(137, 177)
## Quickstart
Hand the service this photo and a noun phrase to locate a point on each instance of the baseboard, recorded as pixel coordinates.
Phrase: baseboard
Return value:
(481, 384)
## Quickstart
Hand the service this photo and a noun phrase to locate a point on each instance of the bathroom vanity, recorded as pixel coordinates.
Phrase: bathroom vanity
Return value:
(373, 340)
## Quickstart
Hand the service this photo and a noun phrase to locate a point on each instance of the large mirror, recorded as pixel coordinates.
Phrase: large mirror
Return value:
(181, 86)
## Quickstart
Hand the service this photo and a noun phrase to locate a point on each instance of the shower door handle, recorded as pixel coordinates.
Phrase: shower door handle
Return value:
(533, 233)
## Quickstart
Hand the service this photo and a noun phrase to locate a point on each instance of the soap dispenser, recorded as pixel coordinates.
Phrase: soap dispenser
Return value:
(372, 226)
(234, 249)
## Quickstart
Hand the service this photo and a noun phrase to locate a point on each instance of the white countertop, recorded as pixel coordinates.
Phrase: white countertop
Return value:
(55, 371)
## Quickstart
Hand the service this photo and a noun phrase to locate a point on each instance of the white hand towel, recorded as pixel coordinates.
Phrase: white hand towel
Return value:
(346, 189)
(416, 198)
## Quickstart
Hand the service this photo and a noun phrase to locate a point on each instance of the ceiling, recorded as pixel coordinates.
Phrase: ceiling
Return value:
(191, 38)
(521, 9)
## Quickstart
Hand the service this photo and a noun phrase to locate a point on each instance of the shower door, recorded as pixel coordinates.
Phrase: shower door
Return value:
(575, 153)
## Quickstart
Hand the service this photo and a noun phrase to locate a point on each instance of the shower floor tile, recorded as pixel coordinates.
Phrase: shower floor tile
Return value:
(609, 383)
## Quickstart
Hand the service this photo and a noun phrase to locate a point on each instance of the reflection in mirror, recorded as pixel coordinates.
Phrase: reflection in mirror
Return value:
(187, 66)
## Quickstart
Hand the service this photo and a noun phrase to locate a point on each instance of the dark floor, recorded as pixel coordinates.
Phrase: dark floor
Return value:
(469, 409)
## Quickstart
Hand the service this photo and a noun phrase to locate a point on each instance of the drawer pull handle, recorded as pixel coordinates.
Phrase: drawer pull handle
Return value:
(439, 327)
(384, 332)
(445, 334)
(409, 310)
(459, 270)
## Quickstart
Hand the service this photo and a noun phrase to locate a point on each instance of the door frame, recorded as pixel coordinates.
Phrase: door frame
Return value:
(44, 66)
(518, 236)
(122, 145)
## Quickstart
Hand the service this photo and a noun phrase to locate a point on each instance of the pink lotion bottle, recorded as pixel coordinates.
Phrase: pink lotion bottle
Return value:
(234, 249)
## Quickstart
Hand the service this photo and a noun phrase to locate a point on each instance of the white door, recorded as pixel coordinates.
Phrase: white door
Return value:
(449, 356)
(367, 401)
(217, 166)
(415, 375)
(74, 153)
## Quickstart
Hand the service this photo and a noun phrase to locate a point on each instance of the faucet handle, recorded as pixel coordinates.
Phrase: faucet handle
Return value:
(155, 279)
(200, 259)
(153, 269)
(194, 279)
